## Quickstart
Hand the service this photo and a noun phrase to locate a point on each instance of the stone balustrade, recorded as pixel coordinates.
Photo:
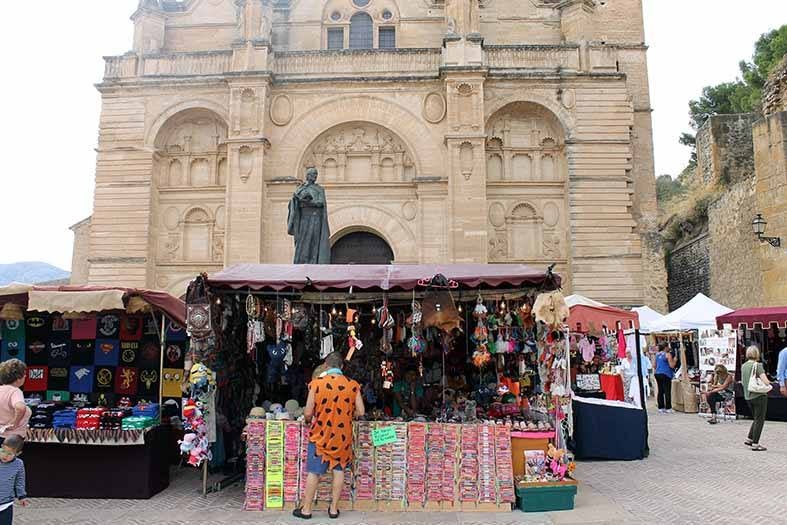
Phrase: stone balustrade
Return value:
(535, 57)
(176, 64)
(362, 63)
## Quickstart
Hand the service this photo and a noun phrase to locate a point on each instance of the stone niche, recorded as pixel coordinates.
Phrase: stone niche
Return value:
(191, 151)
(360, 152)
(526, 185)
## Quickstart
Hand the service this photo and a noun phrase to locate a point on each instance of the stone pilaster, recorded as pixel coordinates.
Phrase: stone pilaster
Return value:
(466, 170)
(245, 180)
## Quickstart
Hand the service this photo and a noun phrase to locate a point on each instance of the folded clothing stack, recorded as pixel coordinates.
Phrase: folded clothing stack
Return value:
(89, 418)
(43, 414)
(113, 419)
(150, 410)
(65, 418)
(138, 422)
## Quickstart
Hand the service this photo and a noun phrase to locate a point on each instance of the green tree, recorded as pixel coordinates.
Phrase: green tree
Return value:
(668, 188)
(742, 95)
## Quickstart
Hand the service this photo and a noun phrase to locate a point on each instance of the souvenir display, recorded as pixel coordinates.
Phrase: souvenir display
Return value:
(255, 465)
(364, 462)
(274, 461)
(292, 448)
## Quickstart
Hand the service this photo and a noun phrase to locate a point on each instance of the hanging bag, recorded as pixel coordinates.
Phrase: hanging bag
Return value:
(757, 385)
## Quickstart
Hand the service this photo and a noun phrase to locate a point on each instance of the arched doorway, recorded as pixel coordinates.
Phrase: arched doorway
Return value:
(361, 248)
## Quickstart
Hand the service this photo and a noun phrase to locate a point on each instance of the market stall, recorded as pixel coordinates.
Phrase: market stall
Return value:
(766, 328)
(463, 337)
(96, 378)
(610, 421)
(684, 328)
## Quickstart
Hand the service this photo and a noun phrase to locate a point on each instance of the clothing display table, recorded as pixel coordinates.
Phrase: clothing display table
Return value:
(608, 430)
(612, 386)
(102, 470)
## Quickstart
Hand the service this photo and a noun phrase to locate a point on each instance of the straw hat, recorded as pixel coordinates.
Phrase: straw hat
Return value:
(12, 312)
(257, 412)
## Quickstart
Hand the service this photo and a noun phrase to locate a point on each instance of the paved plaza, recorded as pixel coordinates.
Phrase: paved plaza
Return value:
(696, 473)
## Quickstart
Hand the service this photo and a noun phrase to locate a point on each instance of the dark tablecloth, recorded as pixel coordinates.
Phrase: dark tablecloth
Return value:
(777, 404)
(99, 471)
(608, 432)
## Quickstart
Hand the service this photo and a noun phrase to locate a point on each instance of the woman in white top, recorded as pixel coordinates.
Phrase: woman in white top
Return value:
(14, 414)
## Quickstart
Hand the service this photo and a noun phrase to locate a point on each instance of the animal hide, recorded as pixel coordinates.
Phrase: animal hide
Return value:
(551, 308)
(447, 317)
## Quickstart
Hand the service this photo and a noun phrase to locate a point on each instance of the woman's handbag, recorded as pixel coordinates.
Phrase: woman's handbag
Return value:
(757, 385)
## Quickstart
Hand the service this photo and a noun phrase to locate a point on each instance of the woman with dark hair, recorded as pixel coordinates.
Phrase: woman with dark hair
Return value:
(665, 371)
(14, 414)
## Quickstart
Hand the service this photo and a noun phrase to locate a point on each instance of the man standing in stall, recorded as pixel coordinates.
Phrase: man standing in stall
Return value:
(333, 402)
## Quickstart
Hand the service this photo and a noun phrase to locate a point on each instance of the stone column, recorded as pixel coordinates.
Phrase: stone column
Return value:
(245, 175)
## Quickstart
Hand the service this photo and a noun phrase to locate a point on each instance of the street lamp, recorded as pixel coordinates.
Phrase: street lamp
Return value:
(758, 225)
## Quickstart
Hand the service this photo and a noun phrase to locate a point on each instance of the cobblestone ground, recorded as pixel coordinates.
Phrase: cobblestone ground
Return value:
(696, 473)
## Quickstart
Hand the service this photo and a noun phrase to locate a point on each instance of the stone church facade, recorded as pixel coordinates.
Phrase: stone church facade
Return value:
(443, 130)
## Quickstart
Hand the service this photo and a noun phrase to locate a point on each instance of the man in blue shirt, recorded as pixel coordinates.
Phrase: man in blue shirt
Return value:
(781, 372)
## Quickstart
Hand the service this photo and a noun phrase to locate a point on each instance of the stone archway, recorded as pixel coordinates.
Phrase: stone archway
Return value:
(361, 247)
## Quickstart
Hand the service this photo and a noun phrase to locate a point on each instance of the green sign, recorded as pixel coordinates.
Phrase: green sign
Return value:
(383, 436)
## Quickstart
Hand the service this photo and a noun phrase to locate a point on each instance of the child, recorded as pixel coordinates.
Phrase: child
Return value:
(12, 478)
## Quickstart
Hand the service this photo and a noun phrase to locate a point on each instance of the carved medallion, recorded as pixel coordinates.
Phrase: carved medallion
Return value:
(551, 214)
(497, 215)
(434, 107)
(281, 110)
(171, 218)
(409, 210)
(568, 98)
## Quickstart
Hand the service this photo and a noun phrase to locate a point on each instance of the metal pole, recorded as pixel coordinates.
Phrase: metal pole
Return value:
(161, 360)
(642, 388)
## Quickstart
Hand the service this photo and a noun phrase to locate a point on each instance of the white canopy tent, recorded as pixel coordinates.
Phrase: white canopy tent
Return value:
(698, 314)
(581, 300)
(647, 318)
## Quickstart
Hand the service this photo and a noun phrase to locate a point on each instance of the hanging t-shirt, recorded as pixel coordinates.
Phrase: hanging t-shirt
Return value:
(13, 340)
(84, 328)
(108, 327)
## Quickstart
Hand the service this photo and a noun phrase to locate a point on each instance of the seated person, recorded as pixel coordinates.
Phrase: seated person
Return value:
(720, 390)
(408, 394)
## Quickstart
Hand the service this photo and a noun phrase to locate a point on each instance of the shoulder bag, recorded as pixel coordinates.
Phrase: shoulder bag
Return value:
(757, 385)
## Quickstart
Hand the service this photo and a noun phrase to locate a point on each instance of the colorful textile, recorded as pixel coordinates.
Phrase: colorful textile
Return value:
(81, 379)
(36, 379)
(108, 327)
(84, 328)
(107, 352)
(13, 340)
(131, 328)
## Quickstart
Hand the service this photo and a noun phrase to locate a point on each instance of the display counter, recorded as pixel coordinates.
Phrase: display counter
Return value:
(430, 466)
(135, 466)
(608, 430)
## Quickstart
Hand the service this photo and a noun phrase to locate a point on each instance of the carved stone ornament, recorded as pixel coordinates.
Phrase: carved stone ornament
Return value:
(434, 107)
(409, 210)
(281, 110)
(246, 162)
(497, 215)
(551, 214)
(568, 97)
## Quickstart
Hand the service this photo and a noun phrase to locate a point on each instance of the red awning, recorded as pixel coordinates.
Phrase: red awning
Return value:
(583, 317)
(173, 307)
(340, 277)
(763, 316)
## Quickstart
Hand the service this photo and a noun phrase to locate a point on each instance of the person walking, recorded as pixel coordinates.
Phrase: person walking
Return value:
(781, 371)
(12, 478)
(14, 414)
(665, 371)
(758, 401)
(333, 401)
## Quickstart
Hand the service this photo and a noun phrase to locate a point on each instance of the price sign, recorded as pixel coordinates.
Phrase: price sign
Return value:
(383, 436)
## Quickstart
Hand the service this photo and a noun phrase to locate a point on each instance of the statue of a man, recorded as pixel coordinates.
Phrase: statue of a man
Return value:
(308, 222)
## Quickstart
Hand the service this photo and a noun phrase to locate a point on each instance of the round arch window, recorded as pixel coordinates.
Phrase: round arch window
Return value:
(361, 3)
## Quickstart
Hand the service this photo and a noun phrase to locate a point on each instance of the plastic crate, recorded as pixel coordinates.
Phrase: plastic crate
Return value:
(546, 497)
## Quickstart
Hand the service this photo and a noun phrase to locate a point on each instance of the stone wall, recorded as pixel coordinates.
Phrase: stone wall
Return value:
(688, 269)
(725, 152)
(735, 271)
(80, 267)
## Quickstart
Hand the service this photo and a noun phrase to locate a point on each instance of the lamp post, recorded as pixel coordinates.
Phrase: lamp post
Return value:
(758, 225)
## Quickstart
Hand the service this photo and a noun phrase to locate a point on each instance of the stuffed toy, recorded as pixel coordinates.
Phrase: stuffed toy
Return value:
(187, 443)
(551, 309)
(557, 462)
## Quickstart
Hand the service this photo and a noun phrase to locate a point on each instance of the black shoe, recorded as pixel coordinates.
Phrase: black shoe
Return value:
(299, 514)
(332, 515)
